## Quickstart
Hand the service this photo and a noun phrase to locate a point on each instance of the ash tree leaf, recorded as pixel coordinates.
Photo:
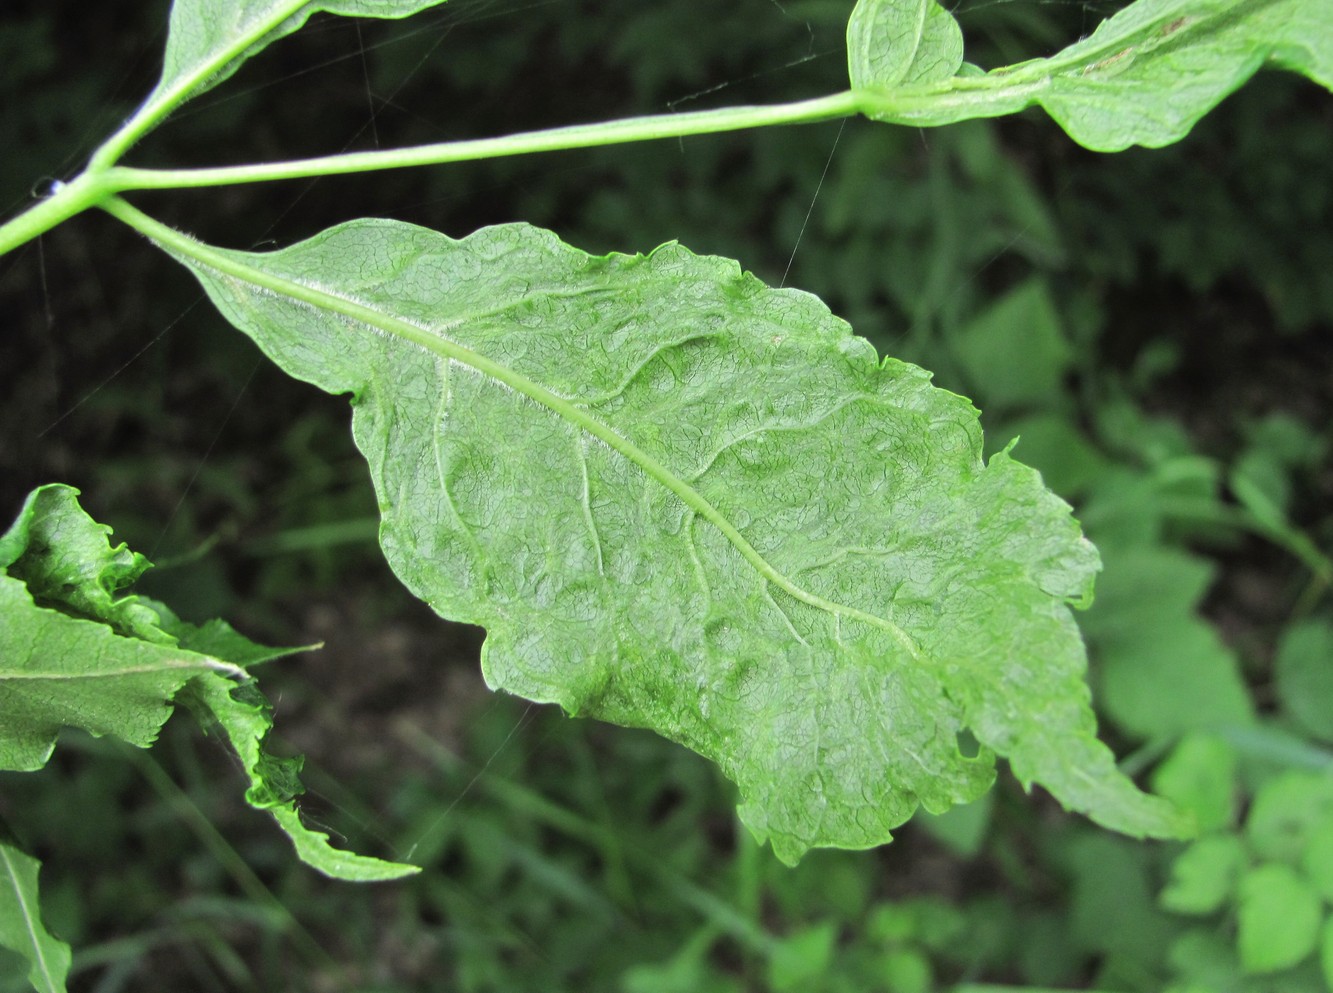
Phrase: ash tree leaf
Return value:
(21, 927)
(1144, 77)
(208, 40)
(898, 42)
(679, 499)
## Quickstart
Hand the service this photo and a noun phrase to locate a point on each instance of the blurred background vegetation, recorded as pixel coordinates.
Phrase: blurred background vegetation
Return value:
(1155, 325)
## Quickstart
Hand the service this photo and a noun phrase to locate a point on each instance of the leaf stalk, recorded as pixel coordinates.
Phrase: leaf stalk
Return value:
(103, 180)
(63, 202)
(631, 129)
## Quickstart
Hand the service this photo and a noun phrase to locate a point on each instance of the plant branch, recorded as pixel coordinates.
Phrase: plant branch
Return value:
(100, 183)
(64, 201)
(631, 129)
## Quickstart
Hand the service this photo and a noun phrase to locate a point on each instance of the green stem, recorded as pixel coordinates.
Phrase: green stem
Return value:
(630, 129)
(166, 98)
(103, 180)
(66, 200)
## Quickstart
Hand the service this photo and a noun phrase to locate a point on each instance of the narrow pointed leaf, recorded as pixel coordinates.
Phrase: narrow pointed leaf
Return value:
(1144, 77)
(246, 718)
(681, 500)
(21, 927)
(208, 40)
(899, 42)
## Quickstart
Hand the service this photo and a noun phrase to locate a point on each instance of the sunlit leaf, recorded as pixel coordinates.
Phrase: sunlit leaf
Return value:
(679, 499)
(1204, 875)
(1277, 920)
(1200, 776)
(1286, 812)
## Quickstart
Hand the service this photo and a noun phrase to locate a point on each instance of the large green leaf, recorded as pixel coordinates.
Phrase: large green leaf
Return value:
(679, 499)
(209, 39)
(21, 927)
(897, 42)
(1144, 77)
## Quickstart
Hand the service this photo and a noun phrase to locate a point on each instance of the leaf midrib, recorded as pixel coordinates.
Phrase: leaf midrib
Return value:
(167, 666)
(170, 93)
(28, 920)
(227, 264)
(194, 76)
(1140, 40)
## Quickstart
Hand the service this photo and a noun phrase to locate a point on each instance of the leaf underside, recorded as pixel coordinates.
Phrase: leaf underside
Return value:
(681, 500)
(900, 42)
(208, 40)
(1144, 77)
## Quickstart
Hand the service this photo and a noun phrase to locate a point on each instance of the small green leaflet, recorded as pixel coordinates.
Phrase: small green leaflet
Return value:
(1144, 77)
(76, 652)
(21, 927)
(900, 42)
(681, 500)
(208, 40)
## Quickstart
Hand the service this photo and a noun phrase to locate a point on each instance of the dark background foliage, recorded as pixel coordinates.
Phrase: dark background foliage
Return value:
(1155, 325)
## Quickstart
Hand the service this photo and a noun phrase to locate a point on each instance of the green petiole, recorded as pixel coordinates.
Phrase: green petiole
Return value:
(97, 186)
